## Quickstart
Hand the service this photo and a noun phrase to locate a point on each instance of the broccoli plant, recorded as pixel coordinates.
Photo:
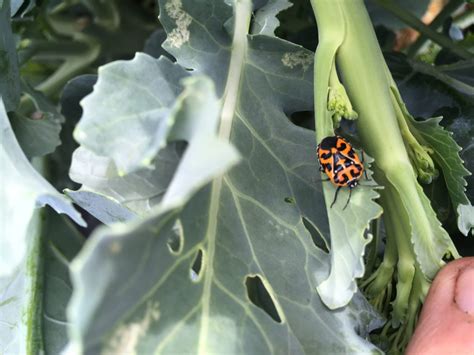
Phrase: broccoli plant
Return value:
(174, 145)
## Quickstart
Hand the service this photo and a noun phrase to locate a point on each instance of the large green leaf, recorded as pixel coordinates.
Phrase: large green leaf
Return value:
(160, 307)
(232, 268)
(9, 73)
(103, 118)
(22, 190)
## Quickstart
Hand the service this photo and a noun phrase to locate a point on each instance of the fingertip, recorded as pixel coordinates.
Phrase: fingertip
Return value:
(464, 291)
(447, 318)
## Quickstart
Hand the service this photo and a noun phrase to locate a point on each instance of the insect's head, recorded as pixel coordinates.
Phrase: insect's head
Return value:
(328, 143)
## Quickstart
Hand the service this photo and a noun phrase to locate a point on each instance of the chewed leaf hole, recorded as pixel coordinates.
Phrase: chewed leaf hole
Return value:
(290, 200)
(176, 238)
(316, 236)
(448, 257)
(259, 296)
(303, 119)
(197, 266)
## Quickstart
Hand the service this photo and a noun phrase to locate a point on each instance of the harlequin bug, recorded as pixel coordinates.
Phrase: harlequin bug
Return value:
(339, 161)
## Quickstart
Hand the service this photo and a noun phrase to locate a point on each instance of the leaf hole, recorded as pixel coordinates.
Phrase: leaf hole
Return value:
(197, 266)
(259, 296)
(448, 257)
(176, 239)
(303, 119)
(316, 236)
(290, 200)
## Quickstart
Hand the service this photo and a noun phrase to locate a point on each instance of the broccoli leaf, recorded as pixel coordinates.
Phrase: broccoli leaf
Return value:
(105, 116)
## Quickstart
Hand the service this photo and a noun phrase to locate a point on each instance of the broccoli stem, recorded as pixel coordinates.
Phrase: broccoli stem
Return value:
(331, 29)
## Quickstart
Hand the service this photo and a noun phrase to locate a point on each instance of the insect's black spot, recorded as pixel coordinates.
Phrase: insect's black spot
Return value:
(326, 155)
(343, 178)
(338, 168)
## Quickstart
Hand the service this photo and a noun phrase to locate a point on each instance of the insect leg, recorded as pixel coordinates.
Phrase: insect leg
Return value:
(350, 193)
(335, 196)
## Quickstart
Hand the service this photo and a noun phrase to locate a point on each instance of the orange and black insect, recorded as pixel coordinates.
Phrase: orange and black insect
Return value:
(340, 163)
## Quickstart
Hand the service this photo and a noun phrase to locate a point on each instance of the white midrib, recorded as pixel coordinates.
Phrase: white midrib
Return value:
(242, 15)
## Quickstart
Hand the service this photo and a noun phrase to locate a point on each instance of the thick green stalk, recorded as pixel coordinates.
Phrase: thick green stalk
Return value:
(331, 29)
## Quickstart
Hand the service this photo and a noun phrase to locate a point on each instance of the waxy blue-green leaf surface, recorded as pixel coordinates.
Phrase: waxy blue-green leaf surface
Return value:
(246, 222)
(142, 106)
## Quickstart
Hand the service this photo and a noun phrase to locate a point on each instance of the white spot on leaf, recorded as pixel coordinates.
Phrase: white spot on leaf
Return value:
(125, 339)
(294, 59)
(180, 35)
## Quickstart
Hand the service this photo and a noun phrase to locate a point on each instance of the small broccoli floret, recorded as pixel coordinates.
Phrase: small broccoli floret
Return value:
(338, 102)
(422, 162)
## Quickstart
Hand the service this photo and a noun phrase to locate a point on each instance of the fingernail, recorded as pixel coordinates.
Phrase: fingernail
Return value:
(465, 291)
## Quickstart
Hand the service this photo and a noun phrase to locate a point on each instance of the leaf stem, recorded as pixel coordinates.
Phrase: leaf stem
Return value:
(419, 26)
(242, 18)
(445, 13)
